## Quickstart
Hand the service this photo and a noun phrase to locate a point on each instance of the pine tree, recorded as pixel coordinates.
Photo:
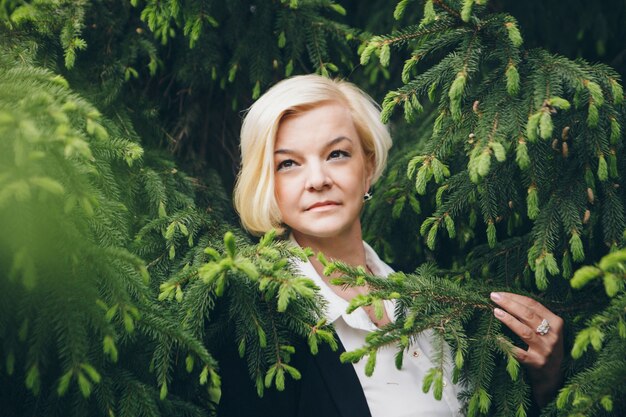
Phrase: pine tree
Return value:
(76, 298)
(520, 179)
(102, 229)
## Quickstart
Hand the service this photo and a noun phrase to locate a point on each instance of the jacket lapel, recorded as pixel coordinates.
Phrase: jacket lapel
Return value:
(342, 382)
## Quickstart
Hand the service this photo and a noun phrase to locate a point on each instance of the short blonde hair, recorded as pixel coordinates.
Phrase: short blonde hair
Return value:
(254, 197)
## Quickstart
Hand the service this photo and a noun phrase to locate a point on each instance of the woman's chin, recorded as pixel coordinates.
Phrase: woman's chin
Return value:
(324, 230)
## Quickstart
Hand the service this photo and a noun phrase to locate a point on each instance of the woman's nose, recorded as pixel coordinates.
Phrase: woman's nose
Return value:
(318, 177)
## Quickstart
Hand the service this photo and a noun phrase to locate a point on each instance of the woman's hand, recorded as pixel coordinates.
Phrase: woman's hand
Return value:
(544, 355)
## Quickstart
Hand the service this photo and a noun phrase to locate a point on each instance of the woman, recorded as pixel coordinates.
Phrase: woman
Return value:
(311, 149)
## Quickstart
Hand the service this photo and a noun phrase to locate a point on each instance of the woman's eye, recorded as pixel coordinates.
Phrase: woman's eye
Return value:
(288, 163)
(338, 154)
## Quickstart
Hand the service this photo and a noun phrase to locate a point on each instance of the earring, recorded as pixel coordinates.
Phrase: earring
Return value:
(367, 196)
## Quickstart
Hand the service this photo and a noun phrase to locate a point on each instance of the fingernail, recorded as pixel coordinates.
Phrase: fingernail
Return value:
(495, 296)
(498, 313)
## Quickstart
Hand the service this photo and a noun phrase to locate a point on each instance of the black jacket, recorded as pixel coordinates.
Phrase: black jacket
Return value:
(327, 388)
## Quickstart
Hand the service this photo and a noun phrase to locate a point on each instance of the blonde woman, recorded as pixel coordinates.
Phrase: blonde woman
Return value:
(311, 148)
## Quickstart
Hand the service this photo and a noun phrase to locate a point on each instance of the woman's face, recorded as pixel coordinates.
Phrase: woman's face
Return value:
(321, 172)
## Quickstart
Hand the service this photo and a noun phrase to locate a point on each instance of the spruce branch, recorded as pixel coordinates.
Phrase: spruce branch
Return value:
(265, 300)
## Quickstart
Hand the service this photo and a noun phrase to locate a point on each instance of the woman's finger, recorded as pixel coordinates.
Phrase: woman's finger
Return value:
(525, 333)
(527, 310)
(530, 358)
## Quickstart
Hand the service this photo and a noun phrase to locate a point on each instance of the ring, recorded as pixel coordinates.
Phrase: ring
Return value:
(543, 328)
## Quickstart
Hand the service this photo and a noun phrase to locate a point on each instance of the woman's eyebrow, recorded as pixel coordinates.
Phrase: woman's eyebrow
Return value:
(337, 140)
(282, 151)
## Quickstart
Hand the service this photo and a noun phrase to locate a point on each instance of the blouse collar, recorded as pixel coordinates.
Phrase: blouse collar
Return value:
(336, 306)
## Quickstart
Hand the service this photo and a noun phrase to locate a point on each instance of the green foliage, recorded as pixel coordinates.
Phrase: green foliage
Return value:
(76, 297)
(481, 135)
(266, 307)
(593, 389)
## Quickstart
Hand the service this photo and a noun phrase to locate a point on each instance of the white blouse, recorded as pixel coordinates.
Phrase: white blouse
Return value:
(389, 392)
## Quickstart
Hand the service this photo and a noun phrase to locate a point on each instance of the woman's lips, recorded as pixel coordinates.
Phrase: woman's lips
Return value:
(322, 205)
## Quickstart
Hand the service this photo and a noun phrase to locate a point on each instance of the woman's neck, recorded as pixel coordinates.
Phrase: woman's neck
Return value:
(347, 248)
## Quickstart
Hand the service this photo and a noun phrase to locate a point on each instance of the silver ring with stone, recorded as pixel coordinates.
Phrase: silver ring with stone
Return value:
(543, 328)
